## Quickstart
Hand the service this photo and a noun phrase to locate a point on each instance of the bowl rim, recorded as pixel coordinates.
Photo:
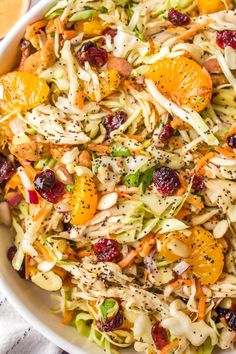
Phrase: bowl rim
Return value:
(23, 22)
(32, 319)
(6, 290)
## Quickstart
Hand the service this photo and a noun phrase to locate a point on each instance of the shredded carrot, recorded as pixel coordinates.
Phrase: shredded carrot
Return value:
(67, 35)
(192, 31)
(199, 289)
(67, 282)
(106, 109)
(196, 201)
(202, 307)
(30, 171)
(182, 213)
(59, 26)
(31, 30)
(80, 99)
(68, 317)
(151, 44)
(144, 249)
(122, 195)
(60, 271)
(208, 173)
(182, 188)
(147, 244)
(43, 251)
(82, 254)
(13, 183)
(135, 137)
(176, 142)
(127, 190)
(203, 161)
(232, 130)
(129, 85)
(82, 244)
(27, 271)
(225, 152)
(201, 302)
(179, 124)
(72, 255)
(180, 282)
(129, 259)
(39, 214)
(98, 148)
(173, 345)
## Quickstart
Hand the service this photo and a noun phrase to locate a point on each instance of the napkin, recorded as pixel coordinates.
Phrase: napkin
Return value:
(19, 337)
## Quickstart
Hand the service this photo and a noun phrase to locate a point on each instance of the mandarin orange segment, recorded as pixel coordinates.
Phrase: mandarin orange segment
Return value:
(207, 259)
(183, 81)
(210, 6)
(84, 200)
(109, 82)
(22, 91)
(175, 246)
(91, 28)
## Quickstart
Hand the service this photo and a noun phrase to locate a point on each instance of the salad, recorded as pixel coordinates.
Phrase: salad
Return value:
(118, 170)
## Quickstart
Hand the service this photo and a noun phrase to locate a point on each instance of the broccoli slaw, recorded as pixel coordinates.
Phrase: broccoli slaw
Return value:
(118, 170)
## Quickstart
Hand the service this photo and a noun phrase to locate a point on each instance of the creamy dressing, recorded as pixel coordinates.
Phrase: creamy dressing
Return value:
(10, 12)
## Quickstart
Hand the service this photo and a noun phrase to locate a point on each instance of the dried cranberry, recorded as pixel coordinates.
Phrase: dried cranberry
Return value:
(48, 187)
(198, 183)
(159, 336)
(221, 312)
(226, 38)
(114, 122)
(166, 133)
(11, 253)
(166, 180)
(231, 140)
(110, 32)
(230, 318)
(106, 250)
(177, 18)
(67, 226)
(90, 52)
(113, 324)
(6, 169)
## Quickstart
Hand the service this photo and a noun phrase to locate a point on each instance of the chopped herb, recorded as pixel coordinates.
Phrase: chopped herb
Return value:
(118, 151)
(70, 188)
(103, 9)
(146, 178)
(139, 34)
(108, 308)
(132, 180)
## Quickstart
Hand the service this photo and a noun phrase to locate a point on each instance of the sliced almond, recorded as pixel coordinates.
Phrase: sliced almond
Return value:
(178, 248)
(201, 219)
(232, 213)
(107, 201)
(218, 161)
(70, 156)
(46, 266)
(48, 281)
(220, 229)
(82, 170)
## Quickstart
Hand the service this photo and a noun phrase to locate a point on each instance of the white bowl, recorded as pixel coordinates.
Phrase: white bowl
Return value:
(31, 302)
